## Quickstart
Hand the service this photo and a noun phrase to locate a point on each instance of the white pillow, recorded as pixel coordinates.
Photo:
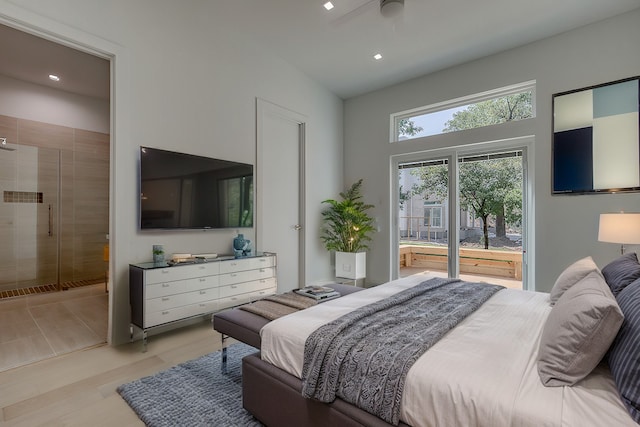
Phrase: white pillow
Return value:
(571, 275)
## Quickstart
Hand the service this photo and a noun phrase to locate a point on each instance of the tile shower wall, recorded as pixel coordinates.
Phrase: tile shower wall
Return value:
(83, 220)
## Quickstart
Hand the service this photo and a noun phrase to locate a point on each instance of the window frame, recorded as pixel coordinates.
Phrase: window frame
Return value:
(431, 206)
(529, 86)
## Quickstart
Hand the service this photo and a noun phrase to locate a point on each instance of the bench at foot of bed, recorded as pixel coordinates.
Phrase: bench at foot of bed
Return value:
(245, 326)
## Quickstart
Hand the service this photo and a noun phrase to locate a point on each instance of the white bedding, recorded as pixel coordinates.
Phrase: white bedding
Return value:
(482, 373)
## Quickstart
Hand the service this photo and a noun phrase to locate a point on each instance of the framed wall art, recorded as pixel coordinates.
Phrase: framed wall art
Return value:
(596, 139)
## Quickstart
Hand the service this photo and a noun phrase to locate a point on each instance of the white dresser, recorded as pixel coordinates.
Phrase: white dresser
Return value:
(161, 294)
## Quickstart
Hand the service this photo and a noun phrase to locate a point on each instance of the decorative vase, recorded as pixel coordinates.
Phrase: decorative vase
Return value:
(158, 254)
(241, 246)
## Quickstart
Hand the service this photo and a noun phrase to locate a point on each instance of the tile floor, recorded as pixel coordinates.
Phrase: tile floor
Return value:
(40, 326)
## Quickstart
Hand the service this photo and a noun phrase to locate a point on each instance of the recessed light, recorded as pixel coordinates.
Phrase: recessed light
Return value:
(377, 56)
(54, 77)
(328, 5)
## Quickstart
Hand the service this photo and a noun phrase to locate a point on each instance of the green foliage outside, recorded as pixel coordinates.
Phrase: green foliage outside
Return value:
(347, 225)
(406, 127)
(487, 187)
(491, 112)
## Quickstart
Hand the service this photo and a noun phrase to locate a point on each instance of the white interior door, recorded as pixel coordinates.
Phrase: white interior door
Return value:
(280, 191)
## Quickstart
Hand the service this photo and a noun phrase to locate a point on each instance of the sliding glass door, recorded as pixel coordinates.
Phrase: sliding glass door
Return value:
(464, 215)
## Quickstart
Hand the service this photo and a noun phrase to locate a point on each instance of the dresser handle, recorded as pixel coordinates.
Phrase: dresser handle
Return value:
(203, 280)
(234, 287)
(165, 285)
(233, 274)
(203, 292)
(203, 305)
(165, 312)
(165, 271)
(202, 267)
(262, 270)
(165, 299)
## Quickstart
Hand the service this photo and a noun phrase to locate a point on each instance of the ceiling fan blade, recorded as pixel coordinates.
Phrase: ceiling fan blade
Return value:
(354, 12)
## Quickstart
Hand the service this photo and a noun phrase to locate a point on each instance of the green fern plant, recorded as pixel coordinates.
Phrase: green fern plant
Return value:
(347, 225)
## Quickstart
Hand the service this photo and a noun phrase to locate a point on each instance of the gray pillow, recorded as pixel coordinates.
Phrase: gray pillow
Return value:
(620, 272)
(578, 332)
(571, 275)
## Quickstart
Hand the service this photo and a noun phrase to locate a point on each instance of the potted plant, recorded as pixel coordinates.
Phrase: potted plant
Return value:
(347, 229)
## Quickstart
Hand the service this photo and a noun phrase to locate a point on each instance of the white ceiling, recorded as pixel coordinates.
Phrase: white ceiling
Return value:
(336, 48)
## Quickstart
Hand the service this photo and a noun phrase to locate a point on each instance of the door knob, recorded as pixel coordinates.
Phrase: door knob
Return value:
(297, 227)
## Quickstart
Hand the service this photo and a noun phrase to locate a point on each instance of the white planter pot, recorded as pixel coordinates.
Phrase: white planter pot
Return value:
(351, 265)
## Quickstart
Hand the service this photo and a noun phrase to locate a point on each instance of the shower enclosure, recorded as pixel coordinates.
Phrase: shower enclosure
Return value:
(29, 231)
(53, 209)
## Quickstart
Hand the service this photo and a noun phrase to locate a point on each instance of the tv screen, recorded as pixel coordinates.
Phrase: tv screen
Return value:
(183, 191)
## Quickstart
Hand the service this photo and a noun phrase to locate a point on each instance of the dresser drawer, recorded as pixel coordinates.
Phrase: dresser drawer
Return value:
(254, 296)
(165, 316)
(242, 264)
(233, 301)
(170, 274)
(246, 287)
(246, 276)
(181, 286)
(179, 300)
(262, 262)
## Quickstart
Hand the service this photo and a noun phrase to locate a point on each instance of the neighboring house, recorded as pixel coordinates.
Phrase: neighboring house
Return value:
(428, 219)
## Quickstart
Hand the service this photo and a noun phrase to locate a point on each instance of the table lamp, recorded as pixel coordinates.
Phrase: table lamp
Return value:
(622, 227)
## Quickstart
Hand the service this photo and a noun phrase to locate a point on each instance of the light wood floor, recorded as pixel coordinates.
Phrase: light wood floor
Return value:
(79, 388)
(38, 326)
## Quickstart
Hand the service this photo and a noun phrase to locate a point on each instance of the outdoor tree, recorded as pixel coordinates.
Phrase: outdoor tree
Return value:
(491, 112)
(406, 127)
(487, 187)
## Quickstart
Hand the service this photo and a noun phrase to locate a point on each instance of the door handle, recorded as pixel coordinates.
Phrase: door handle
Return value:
(50, 221)
(297, 227)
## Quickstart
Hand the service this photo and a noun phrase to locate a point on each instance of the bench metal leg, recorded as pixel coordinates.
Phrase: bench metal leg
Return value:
(223, 366)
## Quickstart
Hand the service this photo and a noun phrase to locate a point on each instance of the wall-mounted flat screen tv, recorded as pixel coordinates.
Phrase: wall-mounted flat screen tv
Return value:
(596, 144)
(184, 191)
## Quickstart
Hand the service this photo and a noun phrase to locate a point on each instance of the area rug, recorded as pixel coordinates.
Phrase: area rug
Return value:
(194, 393)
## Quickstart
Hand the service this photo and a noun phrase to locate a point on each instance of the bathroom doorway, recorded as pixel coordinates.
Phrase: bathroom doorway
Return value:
(54, 198)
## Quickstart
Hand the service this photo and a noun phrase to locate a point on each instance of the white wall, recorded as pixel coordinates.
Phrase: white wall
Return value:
(43, 104)
(185, 79)
(566, 226)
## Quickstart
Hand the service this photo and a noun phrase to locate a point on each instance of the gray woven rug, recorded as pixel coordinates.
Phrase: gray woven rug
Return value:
(193, 394)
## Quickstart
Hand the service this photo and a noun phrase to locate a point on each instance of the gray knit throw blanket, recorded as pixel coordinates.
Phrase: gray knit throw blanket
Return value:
(363, 357)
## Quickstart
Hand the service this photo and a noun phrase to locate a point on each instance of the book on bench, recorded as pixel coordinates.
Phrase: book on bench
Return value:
(320, 293)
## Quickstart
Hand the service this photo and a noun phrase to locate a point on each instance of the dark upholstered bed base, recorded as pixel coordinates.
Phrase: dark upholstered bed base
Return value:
(274, 397)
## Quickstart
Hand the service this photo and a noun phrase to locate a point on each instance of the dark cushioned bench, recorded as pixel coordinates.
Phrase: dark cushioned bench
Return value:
(245, 326)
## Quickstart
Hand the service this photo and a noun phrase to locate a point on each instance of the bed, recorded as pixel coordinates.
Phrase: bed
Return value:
(486, 371)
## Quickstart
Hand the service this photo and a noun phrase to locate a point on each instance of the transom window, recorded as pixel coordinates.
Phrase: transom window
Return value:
(503, 105)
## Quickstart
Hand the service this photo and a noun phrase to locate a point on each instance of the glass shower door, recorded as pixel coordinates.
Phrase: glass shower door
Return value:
(29, 212)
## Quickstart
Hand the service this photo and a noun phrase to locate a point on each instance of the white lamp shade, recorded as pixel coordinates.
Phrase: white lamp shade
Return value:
(621, 228)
